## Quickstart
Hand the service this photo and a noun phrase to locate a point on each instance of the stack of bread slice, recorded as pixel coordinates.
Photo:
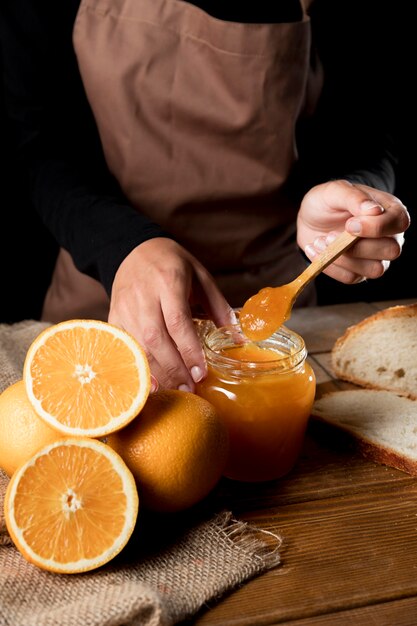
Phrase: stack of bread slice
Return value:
(379, 356)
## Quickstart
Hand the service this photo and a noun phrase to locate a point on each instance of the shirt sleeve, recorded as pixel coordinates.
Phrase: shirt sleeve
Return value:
(56, 141)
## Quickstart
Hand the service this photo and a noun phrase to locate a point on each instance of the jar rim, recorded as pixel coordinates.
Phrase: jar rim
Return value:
(294, 344)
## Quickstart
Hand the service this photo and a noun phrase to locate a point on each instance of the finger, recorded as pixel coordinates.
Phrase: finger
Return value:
(386, 248)
(355, 199)
(212, 300)
(183, 333)
(351, 275)
(154, 384)
(375, 213)
(181, 328)
(393, 219)
(348, 271)
(165, 361)
(348, 268)
(371, 269)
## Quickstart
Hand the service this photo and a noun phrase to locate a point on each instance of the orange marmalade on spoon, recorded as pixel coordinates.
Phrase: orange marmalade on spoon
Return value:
(266, 311)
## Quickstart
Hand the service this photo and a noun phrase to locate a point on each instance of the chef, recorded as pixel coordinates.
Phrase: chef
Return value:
(184, 155)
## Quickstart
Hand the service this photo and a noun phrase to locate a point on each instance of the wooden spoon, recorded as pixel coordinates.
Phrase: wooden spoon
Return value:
(266, 311)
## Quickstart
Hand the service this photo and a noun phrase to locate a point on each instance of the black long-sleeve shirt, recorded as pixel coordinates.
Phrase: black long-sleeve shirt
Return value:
(58, 147)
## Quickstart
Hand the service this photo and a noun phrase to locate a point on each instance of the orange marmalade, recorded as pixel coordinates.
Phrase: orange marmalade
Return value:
(264, 392)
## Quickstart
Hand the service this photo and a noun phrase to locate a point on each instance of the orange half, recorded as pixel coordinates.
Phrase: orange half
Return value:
(86, 377)
(72, 506)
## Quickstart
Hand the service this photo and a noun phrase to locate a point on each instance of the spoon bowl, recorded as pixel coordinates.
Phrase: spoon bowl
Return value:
(263, 313)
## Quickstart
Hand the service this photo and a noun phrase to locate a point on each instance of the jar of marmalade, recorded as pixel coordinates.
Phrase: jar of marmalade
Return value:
(264, 391)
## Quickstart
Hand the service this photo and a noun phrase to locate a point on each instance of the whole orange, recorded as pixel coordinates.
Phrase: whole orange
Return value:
(176, 448)
(22, 432)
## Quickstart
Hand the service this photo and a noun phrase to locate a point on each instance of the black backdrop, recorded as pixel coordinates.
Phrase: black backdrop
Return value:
(390, 39)
(27, 252)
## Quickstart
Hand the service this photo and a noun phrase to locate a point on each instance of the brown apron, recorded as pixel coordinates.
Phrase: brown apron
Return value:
(197, 118)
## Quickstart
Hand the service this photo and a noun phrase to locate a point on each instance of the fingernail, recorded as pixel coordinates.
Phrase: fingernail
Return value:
(184, 388)
(154, 384)
(233, 319)
(354, 226)
(196, 373)
(371, 207)
(330, 238)
(319, 243)
(310, 251)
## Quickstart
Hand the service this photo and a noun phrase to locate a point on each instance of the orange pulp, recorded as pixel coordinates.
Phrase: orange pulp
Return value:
(265, 405)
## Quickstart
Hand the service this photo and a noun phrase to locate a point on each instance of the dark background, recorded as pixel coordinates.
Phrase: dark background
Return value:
(385, 36)
(27, 252)
(400, 280)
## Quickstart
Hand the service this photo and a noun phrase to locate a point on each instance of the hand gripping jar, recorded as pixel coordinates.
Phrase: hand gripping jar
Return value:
(264, 391)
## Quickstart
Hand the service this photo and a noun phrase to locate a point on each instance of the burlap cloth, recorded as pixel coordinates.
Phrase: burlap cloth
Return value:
(171, 567)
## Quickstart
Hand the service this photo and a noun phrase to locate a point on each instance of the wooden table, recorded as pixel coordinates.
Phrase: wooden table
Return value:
(349, 526)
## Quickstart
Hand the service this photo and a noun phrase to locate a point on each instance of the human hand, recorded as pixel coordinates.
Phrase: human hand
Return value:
(153, 292)
(377, 217)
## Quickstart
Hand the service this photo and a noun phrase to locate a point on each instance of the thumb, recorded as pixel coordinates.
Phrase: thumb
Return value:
(358, 200)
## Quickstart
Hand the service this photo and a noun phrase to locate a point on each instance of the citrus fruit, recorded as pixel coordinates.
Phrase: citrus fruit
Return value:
(86, 377)
(177, 448)
(72, 506)
(22, 432)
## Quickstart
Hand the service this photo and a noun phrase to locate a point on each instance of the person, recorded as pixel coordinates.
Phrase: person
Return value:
(185, 154)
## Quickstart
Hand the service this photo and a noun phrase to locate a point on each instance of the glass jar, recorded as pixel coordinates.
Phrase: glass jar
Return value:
(264, 391)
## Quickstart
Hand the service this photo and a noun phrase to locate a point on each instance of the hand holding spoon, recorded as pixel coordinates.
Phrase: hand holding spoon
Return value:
(266, 311)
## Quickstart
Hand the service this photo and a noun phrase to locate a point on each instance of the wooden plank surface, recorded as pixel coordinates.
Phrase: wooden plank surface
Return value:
(338, 554)
(348, 526)
(396, 613)
(321, 326)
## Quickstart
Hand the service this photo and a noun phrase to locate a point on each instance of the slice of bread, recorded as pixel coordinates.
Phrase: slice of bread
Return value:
(380, 352)
(382, 424)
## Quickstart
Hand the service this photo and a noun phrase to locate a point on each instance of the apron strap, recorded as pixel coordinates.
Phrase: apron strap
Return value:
(306, 4)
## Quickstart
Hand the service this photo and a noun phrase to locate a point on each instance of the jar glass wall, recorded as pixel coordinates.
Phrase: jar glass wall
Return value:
(264, 392)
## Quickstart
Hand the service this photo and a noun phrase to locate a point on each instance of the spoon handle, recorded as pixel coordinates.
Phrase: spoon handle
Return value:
(342, 243)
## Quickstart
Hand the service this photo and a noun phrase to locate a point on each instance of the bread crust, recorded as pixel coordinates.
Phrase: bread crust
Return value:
(369, 449)
(361, 443)
(342, 351)
(400, 310)
(394, 312)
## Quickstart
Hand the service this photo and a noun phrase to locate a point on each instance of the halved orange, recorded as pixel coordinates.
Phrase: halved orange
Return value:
(86, 377)
(72, 506)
